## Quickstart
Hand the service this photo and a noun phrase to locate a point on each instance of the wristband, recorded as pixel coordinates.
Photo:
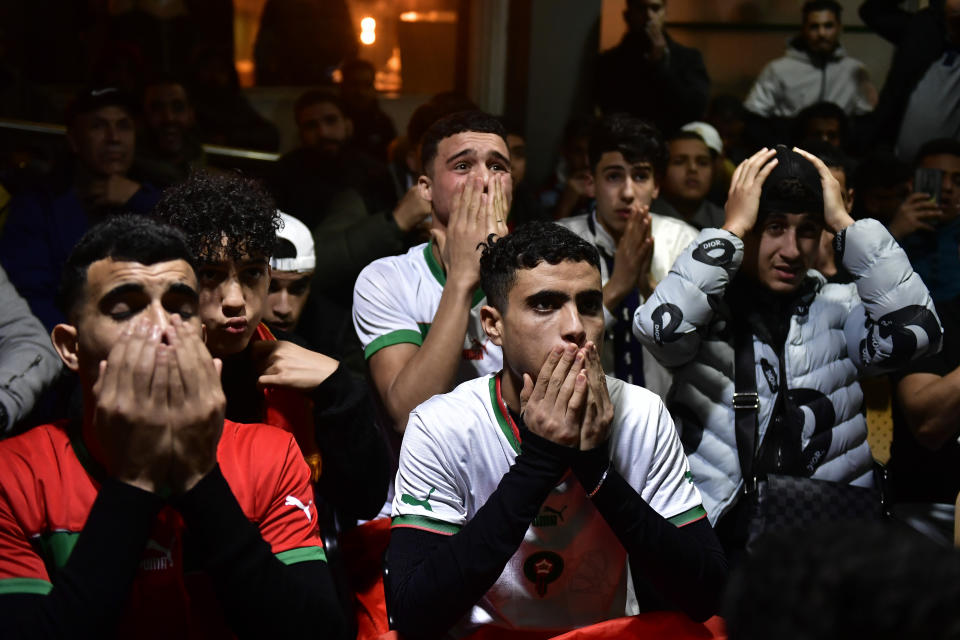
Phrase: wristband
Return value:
(600, 483)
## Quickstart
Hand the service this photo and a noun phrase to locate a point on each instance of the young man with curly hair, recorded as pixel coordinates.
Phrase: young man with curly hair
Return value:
(490, 527)
(231, 224)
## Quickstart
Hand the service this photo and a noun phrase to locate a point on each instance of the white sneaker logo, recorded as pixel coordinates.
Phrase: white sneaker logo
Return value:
(295, 502)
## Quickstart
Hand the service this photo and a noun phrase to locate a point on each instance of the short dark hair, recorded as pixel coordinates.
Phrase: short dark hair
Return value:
(831, 156)
(824, 110)
(525, 248)
(162, 78)
(939, 146)
(636, 139)
(317, 96)
(460, 122)
(821, 5)
(125, 238)
(210, 207)
(440, 105)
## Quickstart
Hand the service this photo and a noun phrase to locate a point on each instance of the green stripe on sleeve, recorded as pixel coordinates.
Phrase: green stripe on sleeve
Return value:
(303, 554)
(400, 336)
(688, 516)
(25, 585)
(421, 522)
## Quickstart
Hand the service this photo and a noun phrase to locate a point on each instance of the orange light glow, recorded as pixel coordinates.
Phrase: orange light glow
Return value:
(368, 30)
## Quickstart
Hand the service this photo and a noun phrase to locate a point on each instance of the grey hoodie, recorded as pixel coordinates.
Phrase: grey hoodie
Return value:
(789, 84)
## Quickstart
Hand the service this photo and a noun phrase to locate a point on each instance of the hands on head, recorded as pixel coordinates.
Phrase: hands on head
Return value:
(746, 185)
(569, 403)
(159, 407)
(474, 215)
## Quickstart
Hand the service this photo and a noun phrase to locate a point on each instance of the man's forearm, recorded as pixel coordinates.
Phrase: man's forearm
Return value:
(260, 595)
(686, 565)
(433, 368)
(90, 591)
(431, 586)
(931, 404)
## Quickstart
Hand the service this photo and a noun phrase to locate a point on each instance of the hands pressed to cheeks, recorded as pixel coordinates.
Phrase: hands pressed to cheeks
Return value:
(474, 216)
(159, 407)
(569, 403)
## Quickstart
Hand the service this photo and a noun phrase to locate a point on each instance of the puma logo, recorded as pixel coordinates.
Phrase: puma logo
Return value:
(163, 561)
(551, 518)
(295, 502)
(476, 350)
(406, 498)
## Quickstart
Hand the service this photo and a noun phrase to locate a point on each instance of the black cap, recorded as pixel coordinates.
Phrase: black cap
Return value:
(93, 98)
(792, 187)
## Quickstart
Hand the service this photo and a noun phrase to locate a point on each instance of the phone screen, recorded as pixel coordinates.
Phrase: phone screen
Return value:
(928, 181)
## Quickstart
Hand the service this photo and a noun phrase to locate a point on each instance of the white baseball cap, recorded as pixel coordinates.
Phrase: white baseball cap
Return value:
(300, 237)
(708, 133)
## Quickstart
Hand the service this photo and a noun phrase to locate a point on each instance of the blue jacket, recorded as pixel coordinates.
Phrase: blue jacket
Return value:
(42, 229)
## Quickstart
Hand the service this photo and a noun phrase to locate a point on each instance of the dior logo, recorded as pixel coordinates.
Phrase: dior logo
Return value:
(716, 253)
(666, 333)
(770, 373)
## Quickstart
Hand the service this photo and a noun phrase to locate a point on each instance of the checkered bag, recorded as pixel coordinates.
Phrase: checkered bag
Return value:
(793, 502)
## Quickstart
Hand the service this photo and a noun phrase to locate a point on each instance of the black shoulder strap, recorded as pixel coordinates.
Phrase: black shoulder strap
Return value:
(746, 402)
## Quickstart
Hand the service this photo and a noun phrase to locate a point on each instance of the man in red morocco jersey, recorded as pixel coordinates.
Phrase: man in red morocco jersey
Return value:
(151, 515)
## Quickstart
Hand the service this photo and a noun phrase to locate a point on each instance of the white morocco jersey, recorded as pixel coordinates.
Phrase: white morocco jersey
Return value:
(570, 570)
(394, 302)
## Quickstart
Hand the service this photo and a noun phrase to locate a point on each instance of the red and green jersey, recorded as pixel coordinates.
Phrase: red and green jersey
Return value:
(48, 486)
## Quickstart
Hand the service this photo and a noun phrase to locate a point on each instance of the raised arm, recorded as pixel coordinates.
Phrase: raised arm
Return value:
(670, 322)
(408, 372)
(895, 320)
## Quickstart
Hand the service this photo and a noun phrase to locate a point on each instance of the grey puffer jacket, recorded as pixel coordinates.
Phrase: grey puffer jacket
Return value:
(836, 334)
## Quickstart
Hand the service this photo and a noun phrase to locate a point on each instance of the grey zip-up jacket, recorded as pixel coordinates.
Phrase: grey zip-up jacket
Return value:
(838, 333)
(789, 84)
(28, 363)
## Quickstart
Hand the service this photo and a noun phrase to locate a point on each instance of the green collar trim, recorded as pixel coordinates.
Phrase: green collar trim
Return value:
(507, 425)
(437, 270)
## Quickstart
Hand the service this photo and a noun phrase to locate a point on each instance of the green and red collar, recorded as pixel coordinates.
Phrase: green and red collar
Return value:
(504, 419)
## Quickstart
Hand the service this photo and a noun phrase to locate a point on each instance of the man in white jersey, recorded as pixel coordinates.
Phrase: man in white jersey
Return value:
(418, 314)
(489, 527)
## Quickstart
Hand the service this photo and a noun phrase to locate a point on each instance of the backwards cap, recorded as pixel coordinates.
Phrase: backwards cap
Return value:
(298, 235)
(792, 187)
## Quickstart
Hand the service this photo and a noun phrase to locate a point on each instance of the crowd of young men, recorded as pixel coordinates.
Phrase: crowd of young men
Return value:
(551, 421)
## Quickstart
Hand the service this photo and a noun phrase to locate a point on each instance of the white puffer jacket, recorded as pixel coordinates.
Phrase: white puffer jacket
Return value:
(842, 331)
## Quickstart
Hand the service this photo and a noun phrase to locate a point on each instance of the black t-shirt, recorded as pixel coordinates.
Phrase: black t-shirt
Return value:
(916, 473)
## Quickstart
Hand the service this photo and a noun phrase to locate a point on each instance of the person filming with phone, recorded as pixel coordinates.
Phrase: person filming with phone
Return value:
(927, 223)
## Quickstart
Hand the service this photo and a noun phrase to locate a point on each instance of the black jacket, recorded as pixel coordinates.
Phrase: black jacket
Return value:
(921, 39)
(668, 93)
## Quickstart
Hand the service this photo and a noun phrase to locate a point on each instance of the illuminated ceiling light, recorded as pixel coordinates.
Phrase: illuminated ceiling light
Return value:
(368, 30)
